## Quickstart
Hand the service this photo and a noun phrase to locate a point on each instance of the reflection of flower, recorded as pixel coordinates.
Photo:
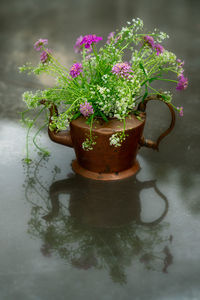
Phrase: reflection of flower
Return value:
(85, 246)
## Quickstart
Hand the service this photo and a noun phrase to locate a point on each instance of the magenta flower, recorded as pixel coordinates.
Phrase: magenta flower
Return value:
(182, 83)
(90, 39)
(77, 46)
(110, 37)
(159, 49)
(44, 56)
(149, 40)
(41, 42)
(180, 111)
(86, 109)
(75, 70)
(122, 69)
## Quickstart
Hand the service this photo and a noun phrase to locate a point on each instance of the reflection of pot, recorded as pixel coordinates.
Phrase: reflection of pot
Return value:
(103, 204)
(107, 162)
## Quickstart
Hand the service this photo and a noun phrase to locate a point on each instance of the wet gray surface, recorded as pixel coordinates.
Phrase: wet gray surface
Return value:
(66, 237)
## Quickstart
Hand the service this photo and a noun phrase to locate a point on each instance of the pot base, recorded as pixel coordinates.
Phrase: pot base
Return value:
(105, 176)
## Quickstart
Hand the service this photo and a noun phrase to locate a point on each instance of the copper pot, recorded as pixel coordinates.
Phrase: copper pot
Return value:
(106, 162)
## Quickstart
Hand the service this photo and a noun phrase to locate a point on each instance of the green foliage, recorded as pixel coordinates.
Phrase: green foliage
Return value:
(110, 95)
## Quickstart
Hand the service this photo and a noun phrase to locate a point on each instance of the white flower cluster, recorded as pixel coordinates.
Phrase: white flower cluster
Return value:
(137, 24)
(160, 35)
(88, 144)
(116, 139)
(168, 96)
(31, 99)
(122, 107)
(61, 122)
(167, 57)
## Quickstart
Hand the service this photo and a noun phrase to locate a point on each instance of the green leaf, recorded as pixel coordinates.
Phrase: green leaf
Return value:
(89, 119)
(75, 116)
(145, 95)
(152, 79)
(141, 67)
(103, 116)
(139, 118)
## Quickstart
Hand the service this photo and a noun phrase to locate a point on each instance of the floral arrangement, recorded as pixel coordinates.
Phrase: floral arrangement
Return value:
(103, 83)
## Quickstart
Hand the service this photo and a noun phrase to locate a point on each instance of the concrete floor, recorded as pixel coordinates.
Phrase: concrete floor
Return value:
(66, 237)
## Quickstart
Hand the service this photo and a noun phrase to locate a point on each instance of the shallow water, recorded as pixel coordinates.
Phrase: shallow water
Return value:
(66, 237)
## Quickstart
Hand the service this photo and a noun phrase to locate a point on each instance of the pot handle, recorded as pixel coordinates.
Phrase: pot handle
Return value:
(142, 108)
(62, 137)
(158, 220)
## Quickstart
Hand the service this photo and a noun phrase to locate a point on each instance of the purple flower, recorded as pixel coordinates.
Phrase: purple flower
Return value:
(44, 56)
(110, 37)
(149, 40)
(41, 42)
(122, 69)
(180, 62)
(159, 49)
(180, 111)
(86, 109)
(90, 39)
(75, 70)
(182, 83)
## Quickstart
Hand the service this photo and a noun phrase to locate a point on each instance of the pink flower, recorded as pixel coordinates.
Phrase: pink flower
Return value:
(110, 37)
(182, 83)
(44, 56)
(122, 69)
(77, 46)
(75, 70)
(159, 49)
(86, 109)
(180, 111)
(90, 39)
(180, 62)
(41, 42)
(149, 40)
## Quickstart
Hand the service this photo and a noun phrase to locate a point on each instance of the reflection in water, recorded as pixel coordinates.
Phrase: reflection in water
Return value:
(101, 226)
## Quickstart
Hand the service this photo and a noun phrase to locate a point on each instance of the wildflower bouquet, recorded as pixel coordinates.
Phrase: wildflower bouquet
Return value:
(103, 83)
